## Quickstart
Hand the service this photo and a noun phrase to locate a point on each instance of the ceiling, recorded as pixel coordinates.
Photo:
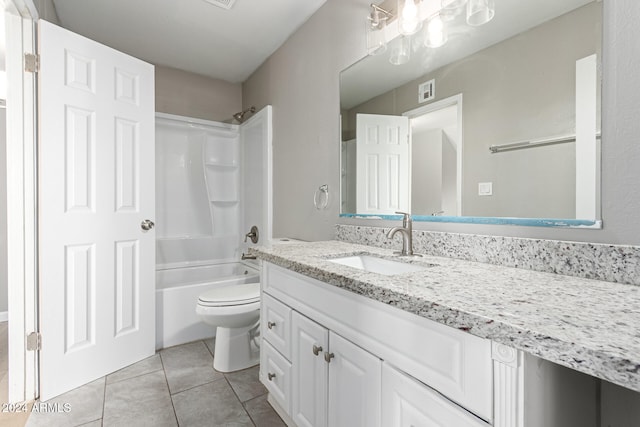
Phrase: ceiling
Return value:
(191, 35)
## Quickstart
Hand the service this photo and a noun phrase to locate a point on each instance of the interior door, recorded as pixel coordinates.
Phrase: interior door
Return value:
(96, 187)
(383, 167)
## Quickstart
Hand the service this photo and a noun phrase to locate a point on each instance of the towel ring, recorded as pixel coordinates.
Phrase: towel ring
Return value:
(321, 197)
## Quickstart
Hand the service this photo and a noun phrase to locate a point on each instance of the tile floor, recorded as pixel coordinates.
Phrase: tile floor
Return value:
(176, 387)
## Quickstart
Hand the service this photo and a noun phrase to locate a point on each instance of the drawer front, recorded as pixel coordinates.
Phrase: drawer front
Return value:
(407, 402)
(275, 374)
(276, 325)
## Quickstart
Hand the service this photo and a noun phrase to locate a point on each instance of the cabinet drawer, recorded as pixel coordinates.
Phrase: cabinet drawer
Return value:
(276, 324)
(275, 374)
(407, 402)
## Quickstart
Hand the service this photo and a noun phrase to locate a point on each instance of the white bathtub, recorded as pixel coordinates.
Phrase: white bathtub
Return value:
(177, 291)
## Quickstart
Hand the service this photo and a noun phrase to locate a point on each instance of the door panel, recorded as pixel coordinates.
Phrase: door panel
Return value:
(309, 394)
(96, 186)
(354, 385)
(383, 167)
(407, 403)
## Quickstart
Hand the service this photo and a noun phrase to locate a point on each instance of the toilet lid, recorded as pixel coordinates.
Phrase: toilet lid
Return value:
(231, 295)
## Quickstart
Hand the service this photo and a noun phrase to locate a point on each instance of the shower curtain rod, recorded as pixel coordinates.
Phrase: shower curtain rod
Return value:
(535, 143)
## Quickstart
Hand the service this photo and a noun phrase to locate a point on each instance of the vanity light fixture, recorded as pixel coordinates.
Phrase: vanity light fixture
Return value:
(436, 33)
(377, 30)
(410, 16)
(479, 12)
(409, 21)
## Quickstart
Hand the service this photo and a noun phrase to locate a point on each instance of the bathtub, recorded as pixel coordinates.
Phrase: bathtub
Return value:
(177, 291)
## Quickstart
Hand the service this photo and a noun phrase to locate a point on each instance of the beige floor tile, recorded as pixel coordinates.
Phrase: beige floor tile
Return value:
(246, 384)
(146, 366)
(76, 407)
(262, 414)
(212, 404)
(139, 401)
(188, 365)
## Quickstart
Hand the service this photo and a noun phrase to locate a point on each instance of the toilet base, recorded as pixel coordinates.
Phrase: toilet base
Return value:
(234, 349)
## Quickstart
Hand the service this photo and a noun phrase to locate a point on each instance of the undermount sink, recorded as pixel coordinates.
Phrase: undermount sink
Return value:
(374, 264)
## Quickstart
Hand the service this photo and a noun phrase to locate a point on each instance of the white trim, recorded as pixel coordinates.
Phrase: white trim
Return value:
(194, 121)
(21, 199)
(4, 316)
(438, 105)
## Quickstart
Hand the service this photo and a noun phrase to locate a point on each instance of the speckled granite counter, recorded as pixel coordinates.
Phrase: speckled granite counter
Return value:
(588, 325)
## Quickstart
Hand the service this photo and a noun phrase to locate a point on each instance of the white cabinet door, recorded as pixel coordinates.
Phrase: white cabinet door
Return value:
(310, 372)
(409, 403)
(96, 187)
(354, 385)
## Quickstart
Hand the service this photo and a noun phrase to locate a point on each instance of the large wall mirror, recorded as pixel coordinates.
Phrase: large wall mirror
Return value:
(499, 125)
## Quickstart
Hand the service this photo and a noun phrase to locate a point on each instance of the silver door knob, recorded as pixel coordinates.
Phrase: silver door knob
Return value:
(147, 225)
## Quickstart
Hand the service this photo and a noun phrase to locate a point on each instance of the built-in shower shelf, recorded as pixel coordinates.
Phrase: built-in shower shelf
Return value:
(224, 202)
(222, 165)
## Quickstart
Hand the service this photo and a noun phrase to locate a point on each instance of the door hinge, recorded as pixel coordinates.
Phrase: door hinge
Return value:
(34, 341)
(31, 62)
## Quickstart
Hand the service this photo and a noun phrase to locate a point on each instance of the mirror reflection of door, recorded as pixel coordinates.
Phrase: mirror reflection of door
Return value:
(383, 167)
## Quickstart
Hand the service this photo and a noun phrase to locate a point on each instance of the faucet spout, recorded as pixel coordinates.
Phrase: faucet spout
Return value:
(407, 234)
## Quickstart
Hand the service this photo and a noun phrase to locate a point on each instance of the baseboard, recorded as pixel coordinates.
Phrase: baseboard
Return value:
(4, 316)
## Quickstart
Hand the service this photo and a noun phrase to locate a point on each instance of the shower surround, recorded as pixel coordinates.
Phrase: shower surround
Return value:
(210, 190)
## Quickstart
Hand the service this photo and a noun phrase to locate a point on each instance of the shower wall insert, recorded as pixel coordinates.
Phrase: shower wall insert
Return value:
(197, 186)
(207, 183)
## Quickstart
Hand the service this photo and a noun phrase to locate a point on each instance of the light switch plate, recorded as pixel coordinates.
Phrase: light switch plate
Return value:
(485, 189)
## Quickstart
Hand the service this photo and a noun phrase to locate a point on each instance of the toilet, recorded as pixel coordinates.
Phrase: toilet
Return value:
(235, 312)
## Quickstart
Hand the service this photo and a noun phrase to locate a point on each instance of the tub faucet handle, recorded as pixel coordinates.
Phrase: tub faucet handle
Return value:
(253, 234)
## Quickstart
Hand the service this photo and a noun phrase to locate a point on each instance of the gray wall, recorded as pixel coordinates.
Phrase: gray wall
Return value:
(192, 95)
(301, 81)
(512, 91)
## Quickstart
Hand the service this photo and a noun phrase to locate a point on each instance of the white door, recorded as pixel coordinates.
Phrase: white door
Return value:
(96, 186)
(383, 167)
(309, 391)
(354, 385)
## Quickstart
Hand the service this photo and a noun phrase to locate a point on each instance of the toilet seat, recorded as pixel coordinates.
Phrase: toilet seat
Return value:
(234, 295)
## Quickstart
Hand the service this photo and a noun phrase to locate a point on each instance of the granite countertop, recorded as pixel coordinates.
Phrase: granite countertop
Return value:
(588, 325)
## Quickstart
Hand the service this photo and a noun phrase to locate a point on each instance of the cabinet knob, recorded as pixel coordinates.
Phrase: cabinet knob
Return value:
(270, 325)
(271, 376)
(328, 356)
(316, 350)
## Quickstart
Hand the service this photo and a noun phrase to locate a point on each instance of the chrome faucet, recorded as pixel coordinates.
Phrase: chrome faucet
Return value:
(406, 230)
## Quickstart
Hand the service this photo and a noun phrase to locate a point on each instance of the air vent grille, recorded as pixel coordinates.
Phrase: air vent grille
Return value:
(225, 4)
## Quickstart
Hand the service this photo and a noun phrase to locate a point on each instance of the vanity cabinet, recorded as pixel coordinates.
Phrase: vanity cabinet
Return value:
(335, 382)
(334, 358)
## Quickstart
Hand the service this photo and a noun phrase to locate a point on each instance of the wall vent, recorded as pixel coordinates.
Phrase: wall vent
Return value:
(225, 4)
(427, 91)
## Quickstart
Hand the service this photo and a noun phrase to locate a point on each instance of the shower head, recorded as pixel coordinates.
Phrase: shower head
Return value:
(240, 116)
